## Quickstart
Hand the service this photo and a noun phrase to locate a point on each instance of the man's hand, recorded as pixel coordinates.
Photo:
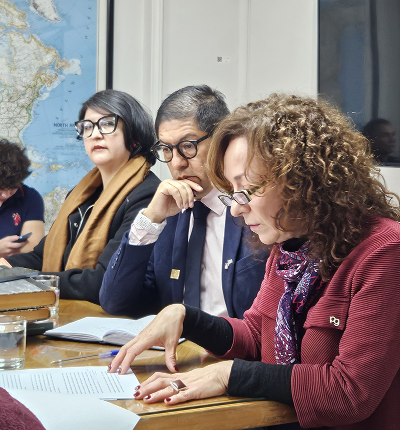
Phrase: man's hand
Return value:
(170, 198)
(9, 247)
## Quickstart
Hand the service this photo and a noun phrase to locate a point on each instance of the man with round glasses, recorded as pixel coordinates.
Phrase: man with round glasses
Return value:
(185, 246)
(186, 149)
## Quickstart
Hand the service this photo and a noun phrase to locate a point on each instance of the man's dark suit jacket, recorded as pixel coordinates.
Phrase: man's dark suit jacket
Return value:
(138, 279)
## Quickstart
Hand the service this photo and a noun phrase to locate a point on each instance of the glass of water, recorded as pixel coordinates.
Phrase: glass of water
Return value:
(12, 341)
(52, 281)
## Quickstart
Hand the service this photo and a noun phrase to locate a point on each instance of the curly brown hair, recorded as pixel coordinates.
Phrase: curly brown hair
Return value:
(14, 165)
(330, 185)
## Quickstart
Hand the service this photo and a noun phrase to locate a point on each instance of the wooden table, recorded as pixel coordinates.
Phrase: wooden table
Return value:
(218, 413)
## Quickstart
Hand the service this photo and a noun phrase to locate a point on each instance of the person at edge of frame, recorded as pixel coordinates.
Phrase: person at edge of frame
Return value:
(21, 207)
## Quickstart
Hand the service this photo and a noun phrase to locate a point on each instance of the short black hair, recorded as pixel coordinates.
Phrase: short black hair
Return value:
(198, 102)
(14, 165)
(369, 129)
(138, 128)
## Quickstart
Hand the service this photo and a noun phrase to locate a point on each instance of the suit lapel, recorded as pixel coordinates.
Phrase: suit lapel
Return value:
(179, 251)
(232, 239)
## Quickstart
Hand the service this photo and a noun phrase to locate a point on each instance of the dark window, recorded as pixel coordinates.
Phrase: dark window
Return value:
(359, 68)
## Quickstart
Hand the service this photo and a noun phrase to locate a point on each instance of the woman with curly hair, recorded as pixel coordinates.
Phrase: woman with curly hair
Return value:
(21, 207)
(322, 334)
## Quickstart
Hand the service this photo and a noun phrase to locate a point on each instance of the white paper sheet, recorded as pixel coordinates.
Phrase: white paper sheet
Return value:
(66, 412)
(90, 380)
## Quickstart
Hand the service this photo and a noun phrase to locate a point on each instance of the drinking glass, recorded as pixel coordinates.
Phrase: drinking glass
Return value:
(12, 341)
(52, 281)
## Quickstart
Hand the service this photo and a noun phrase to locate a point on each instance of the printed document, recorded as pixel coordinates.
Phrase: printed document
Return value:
(90, 380)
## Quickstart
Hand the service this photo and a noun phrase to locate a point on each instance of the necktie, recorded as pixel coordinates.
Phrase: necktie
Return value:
(179, 255)
(194, 255)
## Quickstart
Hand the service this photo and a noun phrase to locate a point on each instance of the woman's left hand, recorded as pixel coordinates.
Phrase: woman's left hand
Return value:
(209, 381)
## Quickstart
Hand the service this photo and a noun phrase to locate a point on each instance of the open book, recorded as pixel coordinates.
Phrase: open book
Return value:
(116, 331)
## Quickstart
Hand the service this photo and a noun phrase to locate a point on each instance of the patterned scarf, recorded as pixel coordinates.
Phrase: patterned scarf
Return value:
(302, 284)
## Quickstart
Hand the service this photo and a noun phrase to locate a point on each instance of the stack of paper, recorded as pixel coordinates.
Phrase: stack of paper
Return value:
(64, 412)
(57, 409)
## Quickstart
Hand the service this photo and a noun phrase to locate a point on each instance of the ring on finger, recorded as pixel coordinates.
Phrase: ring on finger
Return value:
(178, 385)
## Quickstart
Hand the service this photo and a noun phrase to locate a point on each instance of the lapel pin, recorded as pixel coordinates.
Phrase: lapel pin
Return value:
(228, 263)
(175, 274)
(335, 321)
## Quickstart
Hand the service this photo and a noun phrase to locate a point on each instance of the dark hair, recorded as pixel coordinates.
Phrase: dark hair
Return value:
(329, 182)
(369, 128)
(138, 128)
(201, 103)
(14, 165)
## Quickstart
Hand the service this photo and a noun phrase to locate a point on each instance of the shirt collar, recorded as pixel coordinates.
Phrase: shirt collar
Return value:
(212, 201)
(9, 202)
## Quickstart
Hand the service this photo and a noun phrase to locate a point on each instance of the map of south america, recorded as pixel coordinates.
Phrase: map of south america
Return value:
(47, 69)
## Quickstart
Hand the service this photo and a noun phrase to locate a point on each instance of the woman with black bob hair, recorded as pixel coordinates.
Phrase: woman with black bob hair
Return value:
(117, 132)
(138, 126)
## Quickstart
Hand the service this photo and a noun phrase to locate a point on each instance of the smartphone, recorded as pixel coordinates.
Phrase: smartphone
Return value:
(23, 238)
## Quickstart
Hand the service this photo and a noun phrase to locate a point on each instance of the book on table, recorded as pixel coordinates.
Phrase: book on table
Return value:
(19, 292)
(32, 314)
(116, 331)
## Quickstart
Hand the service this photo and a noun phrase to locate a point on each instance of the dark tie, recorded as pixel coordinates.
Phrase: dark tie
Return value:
(194, 255)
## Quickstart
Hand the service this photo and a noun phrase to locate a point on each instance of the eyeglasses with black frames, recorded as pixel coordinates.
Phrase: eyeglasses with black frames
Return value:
(186, 148)
(241, 197)
(106, 125)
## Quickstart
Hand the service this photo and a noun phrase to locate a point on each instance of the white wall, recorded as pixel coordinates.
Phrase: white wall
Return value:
(163, 45)
(266, 46)
(391, 176)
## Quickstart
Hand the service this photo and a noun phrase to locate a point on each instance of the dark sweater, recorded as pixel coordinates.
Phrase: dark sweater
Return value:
(85, 284)
(247, 379)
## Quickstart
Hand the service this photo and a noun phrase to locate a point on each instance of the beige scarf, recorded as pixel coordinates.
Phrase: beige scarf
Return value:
(94, 236)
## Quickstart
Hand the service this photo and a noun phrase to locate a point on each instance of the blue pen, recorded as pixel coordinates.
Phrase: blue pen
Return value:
(100, 355)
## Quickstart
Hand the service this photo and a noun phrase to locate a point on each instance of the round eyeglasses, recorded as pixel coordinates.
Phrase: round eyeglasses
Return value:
(106, 125)
(241, 197)
(186, 148)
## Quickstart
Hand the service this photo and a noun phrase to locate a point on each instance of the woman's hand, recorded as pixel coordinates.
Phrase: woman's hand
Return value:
(165, 330)
(9, 247)
(4, 262)
(209, 381)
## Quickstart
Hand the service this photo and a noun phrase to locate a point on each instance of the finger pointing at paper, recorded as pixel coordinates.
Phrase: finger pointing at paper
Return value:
(165, 331)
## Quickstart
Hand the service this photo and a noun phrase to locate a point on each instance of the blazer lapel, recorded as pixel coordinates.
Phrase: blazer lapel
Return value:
(179, 251)
(232, 239)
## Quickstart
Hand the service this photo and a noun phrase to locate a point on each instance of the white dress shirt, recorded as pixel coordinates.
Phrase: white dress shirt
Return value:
(144, 232)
